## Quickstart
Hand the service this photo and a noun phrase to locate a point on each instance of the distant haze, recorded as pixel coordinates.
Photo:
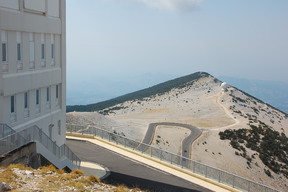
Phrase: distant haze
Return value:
(271, 92)
(111, 38)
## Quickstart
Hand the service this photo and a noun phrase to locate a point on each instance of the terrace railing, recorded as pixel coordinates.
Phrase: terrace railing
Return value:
(11, 140)
(215, 174)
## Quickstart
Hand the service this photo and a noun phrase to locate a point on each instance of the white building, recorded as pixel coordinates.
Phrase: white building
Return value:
(33, 66)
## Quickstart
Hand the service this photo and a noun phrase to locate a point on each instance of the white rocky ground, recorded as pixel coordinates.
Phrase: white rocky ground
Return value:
(18, 178)
(205, 105)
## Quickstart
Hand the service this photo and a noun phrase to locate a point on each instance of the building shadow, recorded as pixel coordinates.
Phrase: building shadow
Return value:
(146, 184)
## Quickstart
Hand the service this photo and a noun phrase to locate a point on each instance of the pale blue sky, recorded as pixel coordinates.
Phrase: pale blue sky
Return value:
(119, 38)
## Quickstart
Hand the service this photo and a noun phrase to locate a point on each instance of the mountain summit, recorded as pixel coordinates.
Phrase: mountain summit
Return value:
(240, 133)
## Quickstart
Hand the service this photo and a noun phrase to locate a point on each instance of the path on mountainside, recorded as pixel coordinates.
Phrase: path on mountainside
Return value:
(186, 143)
(227, 112)
(195, 132)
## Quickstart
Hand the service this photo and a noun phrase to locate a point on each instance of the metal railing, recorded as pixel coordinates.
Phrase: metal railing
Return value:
(5, 130)
(215, 174)
(14, 140)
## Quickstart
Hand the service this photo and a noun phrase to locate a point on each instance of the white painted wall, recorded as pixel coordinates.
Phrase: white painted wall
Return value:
(48, 19)
(35, 5)
(12, 4)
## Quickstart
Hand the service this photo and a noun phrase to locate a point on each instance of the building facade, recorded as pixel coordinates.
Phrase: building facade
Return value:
(33, 66)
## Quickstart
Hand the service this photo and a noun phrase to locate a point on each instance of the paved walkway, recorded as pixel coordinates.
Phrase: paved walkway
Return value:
(202, 181)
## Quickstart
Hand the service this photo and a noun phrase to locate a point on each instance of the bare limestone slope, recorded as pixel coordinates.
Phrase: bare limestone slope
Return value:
(204, 104)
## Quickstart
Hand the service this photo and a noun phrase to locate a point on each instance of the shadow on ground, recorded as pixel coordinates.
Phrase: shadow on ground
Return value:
(145, 184)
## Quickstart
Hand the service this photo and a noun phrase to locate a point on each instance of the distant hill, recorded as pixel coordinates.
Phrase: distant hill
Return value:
(154, 90)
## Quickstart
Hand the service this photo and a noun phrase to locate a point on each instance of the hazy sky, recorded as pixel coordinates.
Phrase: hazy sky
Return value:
(111, 38)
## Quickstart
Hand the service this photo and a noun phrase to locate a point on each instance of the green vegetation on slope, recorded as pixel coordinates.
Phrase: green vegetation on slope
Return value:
(138, 95)
(271, 146)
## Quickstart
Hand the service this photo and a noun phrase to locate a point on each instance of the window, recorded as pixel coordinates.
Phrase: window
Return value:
(26, 100)
(42, 51)
(18, 49)
(4, 46)
(4, 52)
(52, 51)
(59, 127)
(48, 94)
(57, 91)
(37, 100)
(18, 52)
(50, 130)
(43, 62)
(12, 102)
(32, 50)
(37, 96)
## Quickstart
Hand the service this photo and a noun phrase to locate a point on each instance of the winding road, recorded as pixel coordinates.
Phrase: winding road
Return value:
(187, 142)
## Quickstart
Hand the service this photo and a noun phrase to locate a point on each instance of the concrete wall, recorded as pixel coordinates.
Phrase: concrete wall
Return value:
(25, 155)
(33, 23)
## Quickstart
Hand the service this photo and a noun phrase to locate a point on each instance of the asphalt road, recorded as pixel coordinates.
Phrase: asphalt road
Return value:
(130, 172)
(187, 142)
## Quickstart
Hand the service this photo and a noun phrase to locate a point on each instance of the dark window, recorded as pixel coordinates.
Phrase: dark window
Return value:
(57, 91)
(52, 51)
(42, 51)
(12, 98)
(37, 96)
(18, 51)
(4, 52)
(26, 100)
(48, 94)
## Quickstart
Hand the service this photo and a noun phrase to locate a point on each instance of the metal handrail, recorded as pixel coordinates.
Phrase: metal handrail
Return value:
(5, 130)
(216, 174)
(33, 134)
